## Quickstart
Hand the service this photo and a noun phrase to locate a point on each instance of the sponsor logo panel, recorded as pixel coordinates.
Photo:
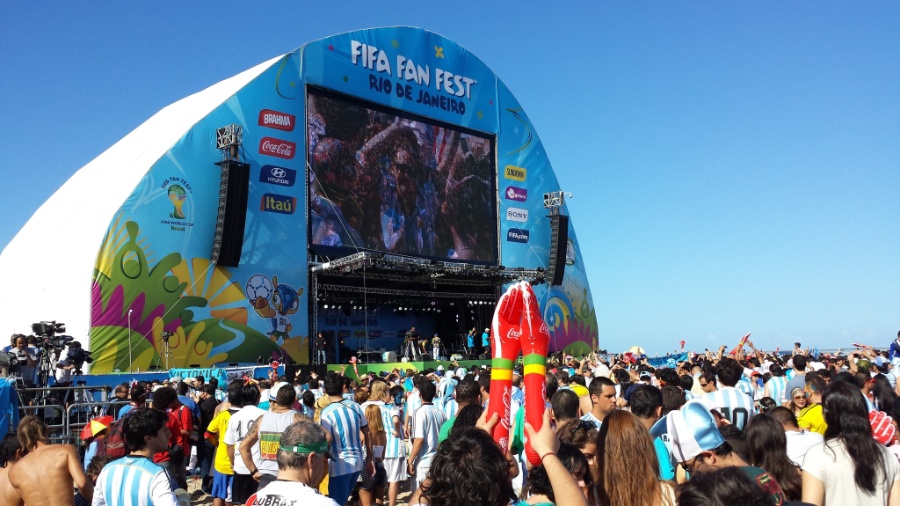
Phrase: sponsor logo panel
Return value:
(516, 214)
(517, 235)
(282, 204)
(277, 147)
(515, 173)
(274, 174)
(274, 119)
(516, 193)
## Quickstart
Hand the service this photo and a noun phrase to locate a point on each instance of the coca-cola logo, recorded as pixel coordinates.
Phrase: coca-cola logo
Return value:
(274, 119)
(277, 147)
(513, 334)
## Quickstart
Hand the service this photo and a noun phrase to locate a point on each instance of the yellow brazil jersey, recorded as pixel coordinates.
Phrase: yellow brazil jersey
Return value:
(812, 418)
(217, 426)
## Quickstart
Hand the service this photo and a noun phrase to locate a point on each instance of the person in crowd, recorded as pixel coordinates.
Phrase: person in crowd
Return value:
(582, 436)
(699, 447)
(603, 400)
(92, 471)
(812, 417)
(426, 427)
(798, 440)
(539, 492)
(627, 467)
(395, 448)
(470, 468)
(707, 382)
(724, 487)
(798, 380)
(10, 453)
(467, 393)
(207, 404)
(135, 480)
(223, 473)
(849, 467)
(46, 474)
(259, 449)
(302, 460)
(348, 429)
(165, 399)
(139, 395)
(767, 404)
(240, 424)
(767, 445)
(735, 406)
(120, 399)
(776, 384)
(646, 403)
(371, 490)
(797, 402)
(565, 406)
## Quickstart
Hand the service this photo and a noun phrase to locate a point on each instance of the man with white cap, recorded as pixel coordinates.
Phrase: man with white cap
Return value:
(259, 450)
(698, 446)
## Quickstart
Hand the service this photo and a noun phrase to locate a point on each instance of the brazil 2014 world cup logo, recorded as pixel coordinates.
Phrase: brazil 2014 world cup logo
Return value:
(177, 195)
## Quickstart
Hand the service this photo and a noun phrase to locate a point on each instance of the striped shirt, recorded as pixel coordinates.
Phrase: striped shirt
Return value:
(426, 425)
(394, 447)
(344, 420)
(593, 419)
(134, 481)
(776, 385)
(450, 408)
(735, 406)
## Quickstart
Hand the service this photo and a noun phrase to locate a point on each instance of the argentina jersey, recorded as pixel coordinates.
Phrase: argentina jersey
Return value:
(776, 386)
(344, 421)
(450, 408)
(129, 481)
(735, 406)
(426, 425)
(394, 447)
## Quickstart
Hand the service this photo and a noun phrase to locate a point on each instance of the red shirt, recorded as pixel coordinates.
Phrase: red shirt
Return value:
(174, 427)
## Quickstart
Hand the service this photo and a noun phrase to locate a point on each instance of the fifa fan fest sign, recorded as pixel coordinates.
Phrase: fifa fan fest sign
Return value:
(394, 140)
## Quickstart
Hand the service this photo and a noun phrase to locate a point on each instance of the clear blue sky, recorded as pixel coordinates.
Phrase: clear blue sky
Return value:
(734, 164)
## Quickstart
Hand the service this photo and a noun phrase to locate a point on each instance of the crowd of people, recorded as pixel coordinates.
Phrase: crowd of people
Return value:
(732, 429)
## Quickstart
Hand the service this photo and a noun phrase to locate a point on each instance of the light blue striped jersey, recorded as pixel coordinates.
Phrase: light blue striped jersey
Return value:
(344, 420)
(735, 406)
(394, 447)
(450, 408)
(413, 401)
(134, 481)
(776, 386)
(426, 425)
(593, 419)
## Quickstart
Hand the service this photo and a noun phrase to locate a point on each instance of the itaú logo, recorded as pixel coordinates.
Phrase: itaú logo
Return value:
(277, 147)
(516, 214)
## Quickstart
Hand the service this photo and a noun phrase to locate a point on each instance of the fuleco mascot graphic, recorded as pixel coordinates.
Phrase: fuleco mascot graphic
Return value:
(274, 302)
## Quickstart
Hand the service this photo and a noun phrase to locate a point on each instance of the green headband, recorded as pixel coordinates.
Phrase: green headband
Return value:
(319, 448)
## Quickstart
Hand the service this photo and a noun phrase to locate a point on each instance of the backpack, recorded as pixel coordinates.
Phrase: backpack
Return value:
(113, 445)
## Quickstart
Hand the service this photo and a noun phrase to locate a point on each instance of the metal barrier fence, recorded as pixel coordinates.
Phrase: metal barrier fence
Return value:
(66, 417)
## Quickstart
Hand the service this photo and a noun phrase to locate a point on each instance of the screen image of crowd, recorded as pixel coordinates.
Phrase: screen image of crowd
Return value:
(745, 427)
(398, 184)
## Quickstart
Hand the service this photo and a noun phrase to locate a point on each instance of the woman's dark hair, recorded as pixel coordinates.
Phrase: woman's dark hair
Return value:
(465, 419)
(767, 404)
(847, 419)
(233, 393)
(309, 399)
(767, 445)
(574, 461)
(883, 394)
(469, 469)
(577, 433)
(728, 486)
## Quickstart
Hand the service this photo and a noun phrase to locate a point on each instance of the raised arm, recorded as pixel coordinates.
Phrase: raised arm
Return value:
(545, 443)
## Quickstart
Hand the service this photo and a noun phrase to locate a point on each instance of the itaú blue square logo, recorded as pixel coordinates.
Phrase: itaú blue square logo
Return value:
(273, 174)
(517, 235)
(281, 204)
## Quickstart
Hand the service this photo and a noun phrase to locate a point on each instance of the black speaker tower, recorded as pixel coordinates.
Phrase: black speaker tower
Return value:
(559, 240)
(228, 240)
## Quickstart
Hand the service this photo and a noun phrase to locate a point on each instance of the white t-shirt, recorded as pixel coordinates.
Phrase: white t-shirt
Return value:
(426, 424)
(238, 427)
(798, 443)
(829, 463)
(289, 492)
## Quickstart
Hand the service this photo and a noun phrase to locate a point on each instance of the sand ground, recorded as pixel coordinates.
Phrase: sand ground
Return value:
(198, 498)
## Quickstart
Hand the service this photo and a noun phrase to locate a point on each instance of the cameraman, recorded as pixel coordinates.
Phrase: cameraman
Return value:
(65, 368)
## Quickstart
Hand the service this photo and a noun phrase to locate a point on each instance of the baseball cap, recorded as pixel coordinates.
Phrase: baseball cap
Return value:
(176, 379)
(440, 368)
(692, 430)
(646, 376)
(273, 392)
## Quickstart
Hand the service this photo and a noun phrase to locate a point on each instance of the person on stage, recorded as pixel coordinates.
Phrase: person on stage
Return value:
(436, 347)
(410, 348)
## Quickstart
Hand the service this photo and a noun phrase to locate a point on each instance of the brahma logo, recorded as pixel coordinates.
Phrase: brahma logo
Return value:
(516, 193)
(515, 173)
(274, 119)
(281, 204)
(516, 214)
(273, 174)
(517, 235)
(277, 147)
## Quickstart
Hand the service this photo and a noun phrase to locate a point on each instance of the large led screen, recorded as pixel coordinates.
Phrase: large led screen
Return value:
(384, 180)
